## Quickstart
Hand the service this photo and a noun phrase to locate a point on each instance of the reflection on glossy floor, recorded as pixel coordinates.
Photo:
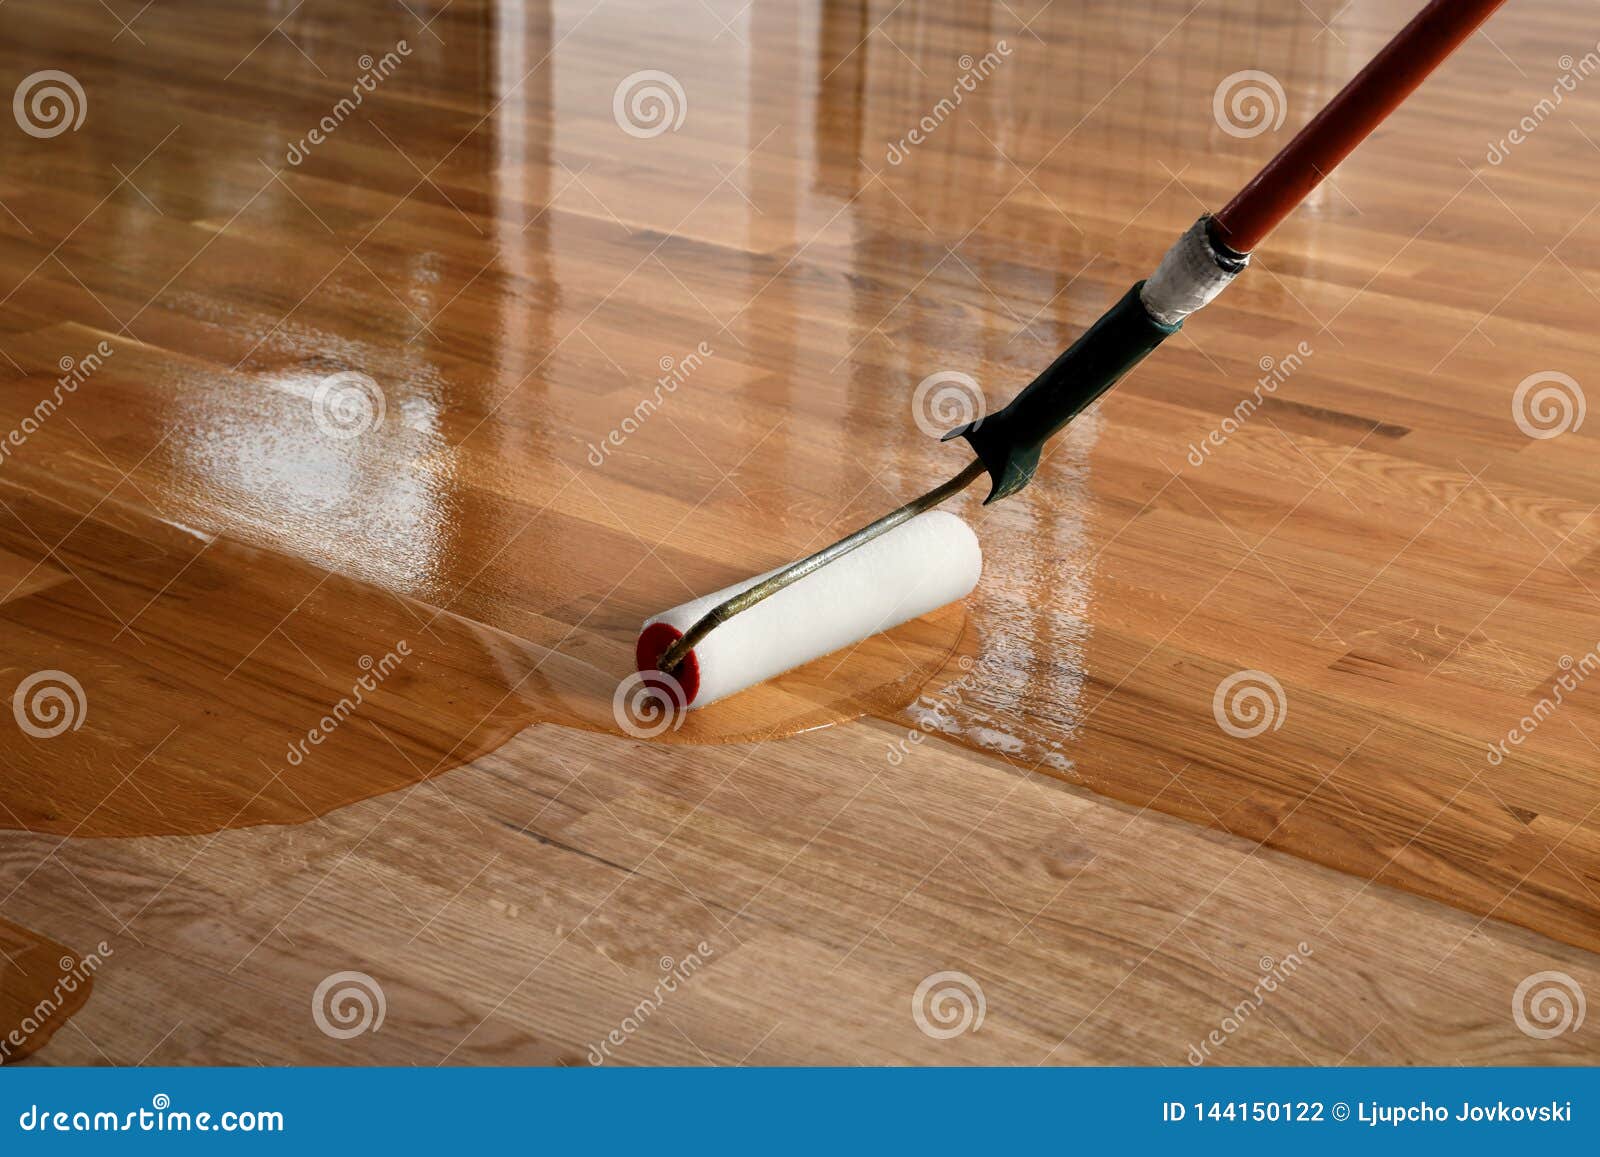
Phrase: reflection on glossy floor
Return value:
(441, 400)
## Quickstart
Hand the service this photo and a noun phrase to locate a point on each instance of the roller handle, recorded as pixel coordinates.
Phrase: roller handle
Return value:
(1347, 120)
(1009, 443)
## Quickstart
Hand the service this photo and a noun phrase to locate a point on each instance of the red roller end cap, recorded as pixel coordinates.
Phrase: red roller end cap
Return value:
(653, 643)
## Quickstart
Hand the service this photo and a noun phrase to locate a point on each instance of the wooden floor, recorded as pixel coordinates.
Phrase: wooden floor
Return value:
(368, 372)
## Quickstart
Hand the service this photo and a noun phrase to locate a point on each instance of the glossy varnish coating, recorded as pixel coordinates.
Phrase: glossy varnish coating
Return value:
(517, 275)
(42, 984)
(348, 690)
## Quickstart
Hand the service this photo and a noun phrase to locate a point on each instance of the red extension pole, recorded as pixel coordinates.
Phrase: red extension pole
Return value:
(1347, 119)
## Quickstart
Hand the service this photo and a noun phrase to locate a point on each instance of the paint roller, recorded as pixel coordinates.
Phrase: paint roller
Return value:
(916, 559)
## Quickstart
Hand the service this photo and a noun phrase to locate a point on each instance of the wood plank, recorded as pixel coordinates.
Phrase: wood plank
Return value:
(582, 374)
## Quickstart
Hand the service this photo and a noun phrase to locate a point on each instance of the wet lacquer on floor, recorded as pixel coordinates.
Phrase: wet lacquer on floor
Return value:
(181, 667)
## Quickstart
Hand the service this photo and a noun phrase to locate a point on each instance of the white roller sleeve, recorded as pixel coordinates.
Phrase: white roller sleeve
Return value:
(920, 565)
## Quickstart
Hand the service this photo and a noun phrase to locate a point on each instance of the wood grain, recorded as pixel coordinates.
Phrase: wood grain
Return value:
(328, 395)
(42, 984)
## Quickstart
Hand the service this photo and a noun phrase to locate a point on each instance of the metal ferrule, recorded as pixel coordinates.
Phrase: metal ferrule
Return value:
(1191, 274)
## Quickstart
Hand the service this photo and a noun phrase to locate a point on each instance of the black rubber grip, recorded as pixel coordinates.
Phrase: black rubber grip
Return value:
(1009, 442)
